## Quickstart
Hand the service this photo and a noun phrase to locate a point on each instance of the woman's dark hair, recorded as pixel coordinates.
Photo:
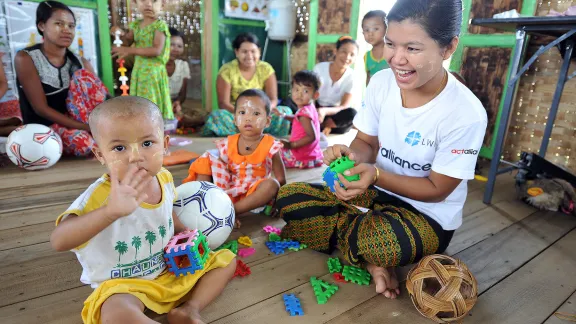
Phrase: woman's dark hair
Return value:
(245, 37)
(174, 32)
(255, 93)
(441, 19)
(46, 9)
(375, 14)
(346, 40)
(307, 78)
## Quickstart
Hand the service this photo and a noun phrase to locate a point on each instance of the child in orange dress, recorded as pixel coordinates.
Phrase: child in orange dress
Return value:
(246, 160)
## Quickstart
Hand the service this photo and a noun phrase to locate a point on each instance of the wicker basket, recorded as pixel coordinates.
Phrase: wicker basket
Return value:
(442, 288)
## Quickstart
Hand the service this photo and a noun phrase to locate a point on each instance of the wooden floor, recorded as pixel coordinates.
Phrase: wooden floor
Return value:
(523, 259)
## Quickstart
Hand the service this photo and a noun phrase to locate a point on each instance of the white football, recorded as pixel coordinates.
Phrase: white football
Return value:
(202, 205)
(34, 147)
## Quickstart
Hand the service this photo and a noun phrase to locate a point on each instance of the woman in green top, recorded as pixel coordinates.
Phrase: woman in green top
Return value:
(374, 30)
(245, 72)
(149, 78)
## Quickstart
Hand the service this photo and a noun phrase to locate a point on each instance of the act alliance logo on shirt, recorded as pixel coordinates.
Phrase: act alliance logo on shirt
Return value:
(414, 138)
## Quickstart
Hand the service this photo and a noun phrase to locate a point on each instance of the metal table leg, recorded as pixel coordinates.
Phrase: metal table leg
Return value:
(505, 115)
(562, 78)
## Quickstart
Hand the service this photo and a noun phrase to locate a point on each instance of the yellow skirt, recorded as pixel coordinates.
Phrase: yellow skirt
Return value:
(160, 295)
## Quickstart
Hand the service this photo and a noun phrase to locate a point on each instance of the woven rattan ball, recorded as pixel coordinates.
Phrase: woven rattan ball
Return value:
(442, 288)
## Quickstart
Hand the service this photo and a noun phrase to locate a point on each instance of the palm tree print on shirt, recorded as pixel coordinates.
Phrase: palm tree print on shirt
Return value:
(150, 238)
(136, 243)
(122, 248)
(162, 231)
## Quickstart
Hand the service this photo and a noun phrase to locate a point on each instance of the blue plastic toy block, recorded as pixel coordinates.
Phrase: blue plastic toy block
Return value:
(186, 253)
(280, 246)
(292, 304)
(329, 177)
(338, 167)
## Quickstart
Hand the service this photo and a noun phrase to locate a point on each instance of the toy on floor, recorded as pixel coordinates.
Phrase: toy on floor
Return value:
(202, 205)
(121, 69)
(356, 275)
(292, 304)
(272, 229)
(179, 157)
(273, 237)
(334, 265)
(245, 240)
(338, 166)
(34, 147)
(246, 252)
(186, 252)
(279, 247)
(301, 247)
(232, 246)
(548, 194)
(242, 270)
(339, 277)
(442, 288)
(322, 290)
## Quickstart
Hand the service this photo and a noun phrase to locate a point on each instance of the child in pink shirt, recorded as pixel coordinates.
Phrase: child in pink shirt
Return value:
(303, 149)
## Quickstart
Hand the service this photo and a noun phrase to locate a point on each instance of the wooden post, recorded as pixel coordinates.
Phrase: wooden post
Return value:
(207, 59)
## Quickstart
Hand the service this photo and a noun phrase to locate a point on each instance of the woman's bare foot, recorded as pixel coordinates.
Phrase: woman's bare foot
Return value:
(386, 280)
(185, 315)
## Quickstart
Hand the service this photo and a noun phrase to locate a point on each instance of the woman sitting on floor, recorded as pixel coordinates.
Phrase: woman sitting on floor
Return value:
(243, 73)
(417, 144)
(336, 90)
(57, 88)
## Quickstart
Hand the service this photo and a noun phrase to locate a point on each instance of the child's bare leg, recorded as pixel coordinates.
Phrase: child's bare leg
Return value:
(203, 177)
(123, 308)
(207, 289)
(266, 191)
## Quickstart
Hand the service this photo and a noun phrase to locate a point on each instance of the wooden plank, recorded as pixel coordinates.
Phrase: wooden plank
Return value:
(63, 308)
(486, 259)
(26, 235)
(31, 257)
(532, 293)
(568, 308)
(29, 191)
(272, 310)
(31, 216)
(37, 282)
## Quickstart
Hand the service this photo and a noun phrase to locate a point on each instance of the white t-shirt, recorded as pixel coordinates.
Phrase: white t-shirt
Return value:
(445, 136)
(331, 93)
(181, 72)
(132, 246)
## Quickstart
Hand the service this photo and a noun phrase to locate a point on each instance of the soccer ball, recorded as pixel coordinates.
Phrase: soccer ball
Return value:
(202, 205)
(34, 147)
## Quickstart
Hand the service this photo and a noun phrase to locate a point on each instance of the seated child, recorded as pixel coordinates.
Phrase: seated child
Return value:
(120, 225)
(246, 160)
(178, 76)
(303, 149)
(10, 115)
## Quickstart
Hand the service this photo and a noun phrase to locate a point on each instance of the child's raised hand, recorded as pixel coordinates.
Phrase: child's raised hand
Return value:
(127, 194)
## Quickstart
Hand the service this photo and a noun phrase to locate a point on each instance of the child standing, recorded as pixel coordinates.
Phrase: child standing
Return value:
(130, 210)
(374, 30)
(303, 149)
(246, 160)
(149, 78)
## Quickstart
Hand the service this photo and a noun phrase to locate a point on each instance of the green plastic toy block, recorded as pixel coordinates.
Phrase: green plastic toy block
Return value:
(232, 246)
(273, 237)
(343, 164)
(334, 265)
(356, 275)
(301, 247)
(322, 290)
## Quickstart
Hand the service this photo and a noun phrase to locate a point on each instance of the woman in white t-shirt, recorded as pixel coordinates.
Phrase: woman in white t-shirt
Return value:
(419, 134)
(337, 78)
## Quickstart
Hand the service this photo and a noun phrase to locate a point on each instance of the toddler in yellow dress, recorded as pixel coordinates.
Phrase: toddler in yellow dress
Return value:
(120, 225)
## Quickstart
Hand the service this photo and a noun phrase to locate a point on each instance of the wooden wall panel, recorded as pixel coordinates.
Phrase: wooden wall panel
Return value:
(484, 70)
(487, 9)
(325, 52)
(334, 16)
